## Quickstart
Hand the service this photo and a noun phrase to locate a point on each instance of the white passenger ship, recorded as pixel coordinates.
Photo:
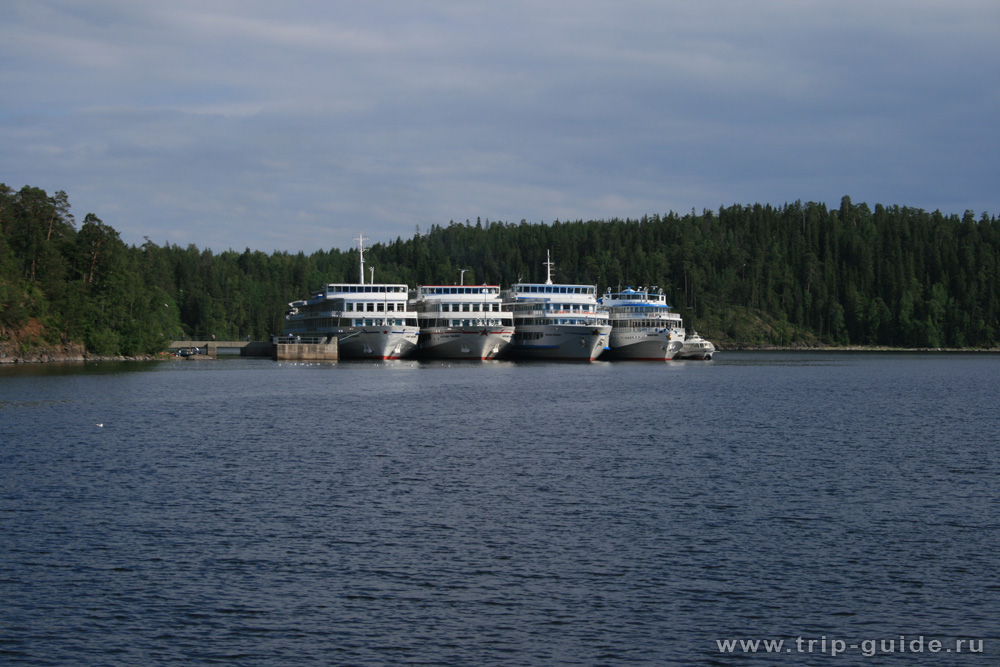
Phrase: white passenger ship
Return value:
(370, 321)
(556, 321)
(642, 325)
(462, 322)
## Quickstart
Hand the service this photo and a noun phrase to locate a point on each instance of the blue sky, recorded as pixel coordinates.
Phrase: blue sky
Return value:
(300, 125)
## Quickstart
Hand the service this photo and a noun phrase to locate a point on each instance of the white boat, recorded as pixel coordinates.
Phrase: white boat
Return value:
(642, 325)
(369, 321)
(696, 347)
(556, 321)
(462, 322)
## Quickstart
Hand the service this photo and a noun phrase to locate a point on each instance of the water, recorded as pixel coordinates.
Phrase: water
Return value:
(245, 512)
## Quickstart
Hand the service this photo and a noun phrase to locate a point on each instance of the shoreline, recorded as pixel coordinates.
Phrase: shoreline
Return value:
(80, 356)
(854, 348)
(72, 359)
(63, 354)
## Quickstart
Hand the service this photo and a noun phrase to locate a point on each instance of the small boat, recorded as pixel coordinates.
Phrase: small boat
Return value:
(697, 348)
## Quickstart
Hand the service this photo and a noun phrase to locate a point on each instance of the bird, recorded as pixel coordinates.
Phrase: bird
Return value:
(99, 425)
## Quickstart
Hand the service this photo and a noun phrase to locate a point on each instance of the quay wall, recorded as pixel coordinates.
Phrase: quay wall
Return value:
(305, 351)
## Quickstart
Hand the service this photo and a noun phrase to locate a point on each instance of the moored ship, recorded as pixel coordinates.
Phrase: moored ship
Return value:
(643, 328)
(556, 321)
(697, 348)
(462, 322)
(369, 321)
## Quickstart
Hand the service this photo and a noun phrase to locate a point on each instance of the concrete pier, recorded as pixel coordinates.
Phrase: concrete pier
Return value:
(305, 351)
(318, 349)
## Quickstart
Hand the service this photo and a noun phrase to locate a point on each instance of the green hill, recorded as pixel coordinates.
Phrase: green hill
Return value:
(798, 275)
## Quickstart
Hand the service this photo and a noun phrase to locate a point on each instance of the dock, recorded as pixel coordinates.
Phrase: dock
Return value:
(304, 348)
(280, 348)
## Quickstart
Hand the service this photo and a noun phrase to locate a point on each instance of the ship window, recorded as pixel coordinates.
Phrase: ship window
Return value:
(370, 307)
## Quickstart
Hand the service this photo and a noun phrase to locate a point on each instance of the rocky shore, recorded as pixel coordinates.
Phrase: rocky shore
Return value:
(65, 353)
(27, 345)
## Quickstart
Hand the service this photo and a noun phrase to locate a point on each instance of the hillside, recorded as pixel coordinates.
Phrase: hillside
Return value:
(799, 275)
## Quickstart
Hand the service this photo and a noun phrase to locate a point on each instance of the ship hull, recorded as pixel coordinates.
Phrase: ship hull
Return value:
(481, 345)
(642, 347)
(696, 356)
(383, 344)
(562, 342)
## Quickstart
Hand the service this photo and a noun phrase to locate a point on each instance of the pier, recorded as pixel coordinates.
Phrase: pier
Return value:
(279, 349)
(213, 348)
(305, 348)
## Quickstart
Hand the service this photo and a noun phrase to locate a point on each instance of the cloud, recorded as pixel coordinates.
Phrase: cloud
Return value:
(295, 126)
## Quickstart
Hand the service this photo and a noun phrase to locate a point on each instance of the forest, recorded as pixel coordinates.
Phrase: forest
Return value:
(796, 275)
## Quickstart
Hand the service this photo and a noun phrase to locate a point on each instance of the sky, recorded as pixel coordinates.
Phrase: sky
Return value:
(300, 125)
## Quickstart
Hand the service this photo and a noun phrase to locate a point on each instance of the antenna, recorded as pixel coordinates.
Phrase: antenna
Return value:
(548, 268)
(371, 272)
(361, 255)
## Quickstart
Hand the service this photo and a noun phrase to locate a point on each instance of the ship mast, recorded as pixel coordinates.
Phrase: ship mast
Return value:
(548, 268)
(361, 255)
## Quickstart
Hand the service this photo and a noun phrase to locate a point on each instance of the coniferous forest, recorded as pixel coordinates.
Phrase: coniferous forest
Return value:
(801, 274)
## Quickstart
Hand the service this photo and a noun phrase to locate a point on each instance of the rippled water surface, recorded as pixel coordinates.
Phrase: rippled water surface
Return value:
(246, 512)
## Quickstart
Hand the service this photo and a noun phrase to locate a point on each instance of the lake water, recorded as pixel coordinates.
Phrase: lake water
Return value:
(247, 512)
